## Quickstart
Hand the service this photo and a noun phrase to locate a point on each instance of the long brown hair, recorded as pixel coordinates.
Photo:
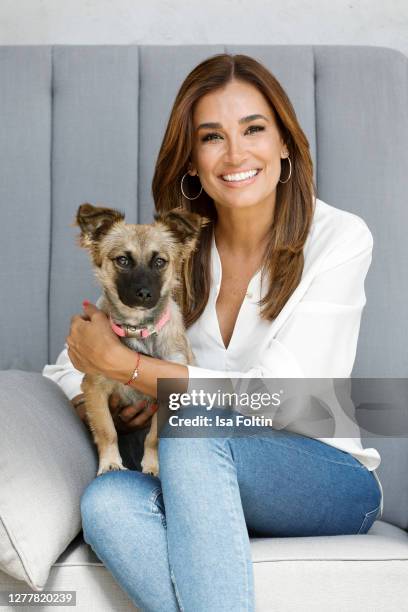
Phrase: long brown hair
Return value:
(283, 257)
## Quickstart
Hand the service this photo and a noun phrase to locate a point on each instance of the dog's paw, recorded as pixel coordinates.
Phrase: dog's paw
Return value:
(150, 463)
(152, 470)
(110, 467)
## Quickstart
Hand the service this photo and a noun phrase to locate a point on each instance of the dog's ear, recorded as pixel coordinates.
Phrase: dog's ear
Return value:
(184, 225)
(95, 222)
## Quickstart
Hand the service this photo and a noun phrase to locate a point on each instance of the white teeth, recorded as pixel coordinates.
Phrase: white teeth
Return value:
(241, 176)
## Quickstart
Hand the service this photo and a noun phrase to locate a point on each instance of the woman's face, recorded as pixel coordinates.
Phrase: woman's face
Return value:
(244, 137)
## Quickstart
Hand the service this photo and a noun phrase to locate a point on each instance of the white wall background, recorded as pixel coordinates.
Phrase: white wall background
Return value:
(342, 22)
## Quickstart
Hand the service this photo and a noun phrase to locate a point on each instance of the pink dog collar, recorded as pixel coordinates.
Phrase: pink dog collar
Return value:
(130, 331)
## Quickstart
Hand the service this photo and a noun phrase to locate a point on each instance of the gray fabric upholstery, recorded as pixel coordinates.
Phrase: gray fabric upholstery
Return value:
(25, 202)
(392, 473)
(362, 166)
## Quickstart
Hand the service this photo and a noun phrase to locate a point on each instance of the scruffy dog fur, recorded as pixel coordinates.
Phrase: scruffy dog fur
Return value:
(138, 267)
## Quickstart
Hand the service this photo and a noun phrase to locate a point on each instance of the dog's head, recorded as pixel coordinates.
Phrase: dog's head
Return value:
(138, 265)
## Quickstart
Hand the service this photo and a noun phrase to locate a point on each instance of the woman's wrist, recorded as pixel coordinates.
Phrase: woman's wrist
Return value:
(78, 403)
(78, 400)
(121, 364)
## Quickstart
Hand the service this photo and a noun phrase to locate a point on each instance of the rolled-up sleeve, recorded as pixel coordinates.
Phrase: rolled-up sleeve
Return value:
(64, 374)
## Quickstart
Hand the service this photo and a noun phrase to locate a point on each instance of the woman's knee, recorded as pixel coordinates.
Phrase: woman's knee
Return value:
(110, 496)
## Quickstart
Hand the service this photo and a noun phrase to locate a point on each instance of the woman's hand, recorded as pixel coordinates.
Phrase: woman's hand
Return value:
(130, 418)
(92, 345)
(126, 419)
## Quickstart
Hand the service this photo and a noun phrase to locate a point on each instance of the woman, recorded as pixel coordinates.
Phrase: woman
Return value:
(276, 290)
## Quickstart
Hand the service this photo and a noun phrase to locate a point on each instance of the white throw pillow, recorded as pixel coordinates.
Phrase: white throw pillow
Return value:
(47, 458)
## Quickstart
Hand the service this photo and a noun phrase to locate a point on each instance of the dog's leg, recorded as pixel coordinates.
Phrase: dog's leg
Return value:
(103, 431)
(150, 461)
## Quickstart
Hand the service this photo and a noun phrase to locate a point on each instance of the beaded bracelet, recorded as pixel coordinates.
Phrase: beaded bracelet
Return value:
(135, 371)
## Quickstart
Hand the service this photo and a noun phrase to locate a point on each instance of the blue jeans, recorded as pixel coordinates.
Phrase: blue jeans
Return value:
(181, 541)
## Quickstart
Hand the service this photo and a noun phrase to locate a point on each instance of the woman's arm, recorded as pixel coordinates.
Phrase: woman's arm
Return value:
(127, 419)
(150, 369)
(94, 348)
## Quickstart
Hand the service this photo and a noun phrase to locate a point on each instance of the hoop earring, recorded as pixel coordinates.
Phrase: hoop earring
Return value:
(290, 170)
(182, 190)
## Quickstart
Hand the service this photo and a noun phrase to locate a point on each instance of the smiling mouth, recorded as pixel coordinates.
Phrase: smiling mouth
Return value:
(243, 181)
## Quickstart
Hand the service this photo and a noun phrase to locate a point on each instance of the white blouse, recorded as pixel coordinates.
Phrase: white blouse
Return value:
(314, 336)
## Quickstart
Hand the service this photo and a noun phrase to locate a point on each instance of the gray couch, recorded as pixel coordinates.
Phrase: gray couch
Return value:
(85, 124)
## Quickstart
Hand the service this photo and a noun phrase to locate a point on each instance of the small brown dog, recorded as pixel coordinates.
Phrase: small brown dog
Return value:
(138, 267)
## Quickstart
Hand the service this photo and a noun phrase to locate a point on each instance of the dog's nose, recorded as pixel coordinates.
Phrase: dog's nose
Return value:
(144, 294)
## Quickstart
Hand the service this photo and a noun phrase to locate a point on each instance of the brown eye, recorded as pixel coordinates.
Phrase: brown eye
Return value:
(123, 261)
(209, 137)
(159, 263)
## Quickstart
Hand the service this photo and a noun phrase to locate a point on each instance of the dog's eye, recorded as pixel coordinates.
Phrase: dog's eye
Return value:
(123, 261)
(159, 263)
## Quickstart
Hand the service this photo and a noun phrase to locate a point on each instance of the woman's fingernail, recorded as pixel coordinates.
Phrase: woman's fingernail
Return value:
(154, 407)
(85, 303)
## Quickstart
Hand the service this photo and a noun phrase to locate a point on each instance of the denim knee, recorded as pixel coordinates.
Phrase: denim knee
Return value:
(110, 495)
(96, 499)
